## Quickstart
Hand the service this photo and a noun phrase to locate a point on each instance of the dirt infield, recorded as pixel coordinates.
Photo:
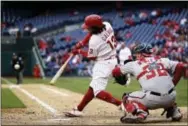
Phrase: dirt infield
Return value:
(49, 103)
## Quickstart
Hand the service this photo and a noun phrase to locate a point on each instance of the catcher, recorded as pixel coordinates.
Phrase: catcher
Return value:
(158, 88)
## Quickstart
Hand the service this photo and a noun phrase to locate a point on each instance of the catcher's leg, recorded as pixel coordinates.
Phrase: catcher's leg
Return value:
(174, 113)
(137, 109)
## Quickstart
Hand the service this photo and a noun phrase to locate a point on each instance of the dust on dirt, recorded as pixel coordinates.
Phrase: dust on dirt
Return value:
(96, 113)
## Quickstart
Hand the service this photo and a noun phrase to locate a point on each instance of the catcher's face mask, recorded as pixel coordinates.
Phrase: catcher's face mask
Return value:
(138, 56)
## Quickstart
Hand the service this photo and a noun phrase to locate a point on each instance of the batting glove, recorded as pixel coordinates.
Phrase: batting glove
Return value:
(78, 45)
(75, 51)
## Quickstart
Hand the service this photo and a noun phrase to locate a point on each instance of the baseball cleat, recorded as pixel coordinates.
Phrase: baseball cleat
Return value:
(174, 113)
(74, 113)
(131, 120)
(140, 118)
(177, 115)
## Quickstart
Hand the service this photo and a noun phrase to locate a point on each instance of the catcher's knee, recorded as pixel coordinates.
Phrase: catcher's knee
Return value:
(125, 95)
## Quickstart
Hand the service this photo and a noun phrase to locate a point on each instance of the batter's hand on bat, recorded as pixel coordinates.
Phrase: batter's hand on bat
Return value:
(84, 42)
(79, 45)
(76, 48)
(75, 51)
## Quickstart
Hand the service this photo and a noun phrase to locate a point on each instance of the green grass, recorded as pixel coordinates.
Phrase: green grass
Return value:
(9, 100)
(81, 84)
(75, 84)
(25, 80)
(3, 82)
(182, 93)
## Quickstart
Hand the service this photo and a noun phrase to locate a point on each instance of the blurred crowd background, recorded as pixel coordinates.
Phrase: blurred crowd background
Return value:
(56, 28)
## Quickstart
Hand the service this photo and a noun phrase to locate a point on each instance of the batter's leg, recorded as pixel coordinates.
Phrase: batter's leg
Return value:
(105, 96)
(86, 99)
(76, 112)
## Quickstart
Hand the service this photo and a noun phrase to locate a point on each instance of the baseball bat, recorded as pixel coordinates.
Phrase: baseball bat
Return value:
(60, 71)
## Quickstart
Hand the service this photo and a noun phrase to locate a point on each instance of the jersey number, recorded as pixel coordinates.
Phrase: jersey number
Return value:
(112, 42)
(153, 73)
(90, 51)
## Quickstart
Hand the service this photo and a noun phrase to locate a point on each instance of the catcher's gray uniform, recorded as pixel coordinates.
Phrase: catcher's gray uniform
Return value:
(156, 83)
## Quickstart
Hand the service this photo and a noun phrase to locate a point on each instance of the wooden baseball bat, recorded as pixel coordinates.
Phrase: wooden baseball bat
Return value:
(60, 71)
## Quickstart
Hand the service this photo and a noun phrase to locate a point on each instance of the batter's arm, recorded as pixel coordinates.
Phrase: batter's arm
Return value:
(84, 42)
(85, 54)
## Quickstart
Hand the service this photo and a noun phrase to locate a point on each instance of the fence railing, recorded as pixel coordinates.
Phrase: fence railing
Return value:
(39, 56)
(34, 50)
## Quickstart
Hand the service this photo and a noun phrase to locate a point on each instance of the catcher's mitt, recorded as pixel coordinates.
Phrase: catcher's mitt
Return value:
(122, 80)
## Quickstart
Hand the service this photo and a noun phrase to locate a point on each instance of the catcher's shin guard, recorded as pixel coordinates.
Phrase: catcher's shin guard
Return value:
(135, 108)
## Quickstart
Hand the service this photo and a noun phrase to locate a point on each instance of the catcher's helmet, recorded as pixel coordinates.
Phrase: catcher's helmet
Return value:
(93, 21)
(143, 48)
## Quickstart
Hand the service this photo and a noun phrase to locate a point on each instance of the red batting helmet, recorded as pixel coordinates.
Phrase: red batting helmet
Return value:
(93, 20)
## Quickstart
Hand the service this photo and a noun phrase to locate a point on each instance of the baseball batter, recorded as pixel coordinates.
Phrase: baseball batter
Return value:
(158, 88)
(102, 49)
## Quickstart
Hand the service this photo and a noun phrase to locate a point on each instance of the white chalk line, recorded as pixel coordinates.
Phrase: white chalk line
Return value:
(64, 119)
(54, 91)
(43, 104)
(168, 124)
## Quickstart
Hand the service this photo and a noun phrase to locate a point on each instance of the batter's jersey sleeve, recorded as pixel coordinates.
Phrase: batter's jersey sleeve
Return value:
(93, 47)
(169, 64)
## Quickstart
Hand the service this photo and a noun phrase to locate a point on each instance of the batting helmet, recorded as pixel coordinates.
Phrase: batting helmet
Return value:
(143, 48)
(93, 21)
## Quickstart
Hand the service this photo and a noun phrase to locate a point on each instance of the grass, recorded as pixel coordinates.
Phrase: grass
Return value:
(25, 80)
(81, 84)
(182, 93)
(3, 82)
(9, 100)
